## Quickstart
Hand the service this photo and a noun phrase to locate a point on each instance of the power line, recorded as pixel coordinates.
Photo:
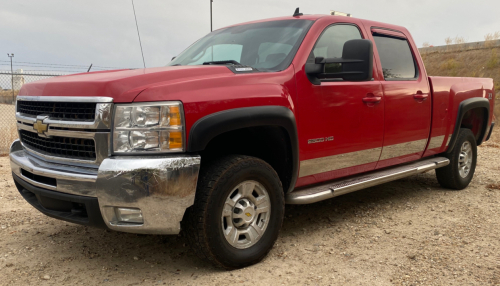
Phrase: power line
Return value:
(47, 64)
(45, 71)
(52, 71)
(52, 67)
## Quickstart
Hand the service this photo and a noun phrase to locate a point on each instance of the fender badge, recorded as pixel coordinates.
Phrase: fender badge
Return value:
(319, 140)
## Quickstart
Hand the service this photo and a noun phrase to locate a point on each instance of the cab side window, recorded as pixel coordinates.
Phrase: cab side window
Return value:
(396, 58)
(331, 42)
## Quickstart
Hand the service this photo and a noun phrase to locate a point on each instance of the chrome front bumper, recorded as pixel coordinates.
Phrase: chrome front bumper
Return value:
(161, 187)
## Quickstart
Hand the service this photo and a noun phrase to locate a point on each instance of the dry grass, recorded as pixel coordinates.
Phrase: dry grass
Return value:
(473, 63)
(495, 137)
(6, 96)
(494, 186)
(490, 38)
(469, 63)
(493, 61)
(454, 44)
(8, 128)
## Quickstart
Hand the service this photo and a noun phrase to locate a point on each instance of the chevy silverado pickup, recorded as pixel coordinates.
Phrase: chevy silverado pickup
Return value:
(289, 110)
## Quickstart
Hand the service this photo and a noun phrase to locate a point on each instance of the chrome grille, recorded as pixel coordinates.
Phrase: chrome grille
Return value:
(81, 138)
(74, 148)
(67, 111)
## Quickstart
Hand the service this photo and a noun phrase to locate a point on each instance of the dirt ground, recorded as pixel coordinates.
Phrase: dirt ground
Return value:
(408, 232)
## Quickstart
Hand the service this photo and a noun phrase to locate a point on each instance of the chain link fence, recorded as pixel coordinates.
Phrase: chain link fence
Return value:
(10, 84)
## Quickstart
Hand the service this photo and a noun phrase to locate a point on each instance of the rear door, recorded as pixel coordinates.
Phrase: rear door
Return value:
(341, 133)
(406, 98)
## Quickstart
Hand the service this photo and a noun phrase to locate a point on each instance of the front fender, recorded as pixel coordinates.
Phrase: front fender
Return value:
(210, 126)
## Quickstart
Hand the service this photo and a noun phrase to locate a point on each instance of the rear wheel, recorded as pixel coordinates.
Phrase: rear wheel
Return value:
(458, 174)
(238, 212)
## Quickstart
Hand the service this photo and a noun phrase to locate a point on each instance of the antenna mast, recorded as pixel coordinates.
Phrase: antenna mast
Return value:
(137, 26)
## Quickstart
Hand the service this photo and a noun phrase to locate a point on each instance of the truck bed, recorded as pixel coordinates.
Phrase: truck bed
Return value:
(447, 94)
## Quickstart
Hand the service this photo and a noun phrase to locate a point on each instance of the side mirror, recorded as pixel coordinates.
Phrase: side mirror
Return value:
(356, 64)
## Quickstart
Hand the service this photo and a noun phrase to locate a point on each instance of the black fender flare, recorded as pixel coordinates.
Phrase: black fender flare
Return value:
(210, 126)
(466, 105)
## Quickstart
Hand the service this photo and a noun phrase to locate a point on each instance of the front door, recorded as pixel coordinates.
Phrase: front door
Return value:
(341, 132)
(406, 98)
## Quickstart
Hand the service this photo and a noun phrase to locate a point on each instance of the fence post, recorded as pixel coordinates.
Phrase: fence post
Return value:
(11, 76)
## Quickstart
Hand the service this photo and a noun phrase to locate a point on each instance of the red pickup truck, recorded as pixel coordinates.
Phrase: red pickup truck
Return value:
(290, 110)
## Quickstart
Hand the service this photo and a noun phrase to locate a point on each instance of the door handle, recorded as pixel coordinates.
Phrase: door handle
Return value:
(372, 99)
(420, 96)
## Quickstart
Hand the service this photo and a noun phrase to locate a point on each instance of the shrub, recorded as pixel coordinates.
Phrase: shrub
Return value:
(450, 65)
(493, 61)
(490, 39)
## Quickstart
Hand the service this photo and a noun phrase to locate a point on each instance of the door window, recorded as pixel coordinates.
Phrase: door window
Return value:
(396, 58)
(331, 42)
(272, 54)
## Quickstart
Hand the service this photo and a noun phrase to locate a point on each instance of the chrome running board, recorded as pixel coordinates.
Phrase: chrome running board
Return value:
(339, 187)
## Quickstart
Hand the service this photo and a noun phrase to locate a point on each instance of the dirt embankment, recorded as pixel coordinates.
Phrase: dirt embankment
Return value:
(468, 63)
(483, 62)
(408, 232)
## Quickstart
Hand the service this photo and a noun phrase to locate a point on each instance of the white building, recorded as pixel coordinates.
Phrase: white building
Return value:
(18, 79)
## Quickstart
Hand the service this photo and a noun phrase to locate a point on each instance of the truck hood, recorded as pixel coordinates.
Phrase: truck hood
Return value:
(121, 85)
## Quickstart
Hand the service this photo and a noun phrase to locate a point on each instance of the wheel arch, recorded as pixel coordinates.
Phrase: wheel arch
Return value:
(212, 126)
(478, 106)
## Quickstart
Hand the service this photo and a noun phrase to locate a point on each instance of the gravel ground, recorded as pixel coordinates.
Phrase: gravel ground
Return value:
(408, 232)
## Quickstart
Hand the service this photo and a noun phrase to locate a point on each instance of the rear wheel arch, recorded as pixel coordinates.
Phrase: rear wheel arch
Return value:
(469, 109)
(278, 122)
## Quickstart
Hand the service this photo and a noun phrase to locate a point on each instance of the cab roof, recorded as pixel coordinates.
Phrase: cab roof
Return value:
(315, 17)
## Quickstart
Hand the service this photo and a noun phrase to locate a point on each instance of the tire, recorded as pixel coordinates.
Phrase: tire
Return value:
(459, 173)
(223, 234)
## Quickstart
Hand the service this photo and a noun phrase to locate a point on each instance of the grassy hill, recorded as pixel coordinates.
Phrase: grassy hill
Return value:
(484, 62)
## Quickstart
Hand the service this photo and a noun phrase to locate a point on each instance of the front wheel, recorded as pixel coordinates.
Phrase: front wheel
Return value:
(238, 212)
(458, 174)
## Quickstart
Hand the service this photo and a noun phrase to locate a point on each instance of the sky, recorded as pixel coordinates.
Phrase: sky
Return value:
(103, 32)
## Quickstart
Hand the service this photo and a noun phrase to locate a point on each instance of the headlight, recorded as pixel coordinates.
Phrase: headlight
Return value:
(148, 127)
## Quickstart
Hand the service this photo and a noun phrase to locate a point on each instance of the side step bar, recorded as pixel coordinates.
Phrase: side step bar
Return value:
(363, 181)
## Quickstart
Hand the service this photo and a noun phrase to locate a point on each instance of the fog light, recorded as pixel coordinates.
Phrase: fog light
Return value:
(129, 215)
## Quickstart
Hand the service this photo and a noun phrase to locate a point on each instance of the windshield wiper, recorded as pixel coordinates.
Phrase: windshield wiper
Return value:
(222, 63)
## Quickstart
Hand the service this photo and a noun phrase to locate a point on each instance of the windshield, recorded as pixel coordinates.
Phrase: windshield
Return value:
(267, 46)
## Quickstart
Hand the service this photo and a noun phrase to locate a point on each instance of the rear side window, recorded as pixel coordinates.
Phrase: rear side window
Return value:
(396, 57)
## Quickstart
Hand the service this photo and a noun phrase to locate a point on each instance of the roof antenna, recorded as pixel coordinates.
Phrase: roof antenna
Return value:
(297, 13)
(137, 26)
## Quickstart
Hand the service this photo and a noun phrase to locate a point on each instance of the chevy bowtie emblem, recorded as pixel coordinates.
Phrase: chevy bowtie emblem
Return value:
(40, 127)
(248, 214)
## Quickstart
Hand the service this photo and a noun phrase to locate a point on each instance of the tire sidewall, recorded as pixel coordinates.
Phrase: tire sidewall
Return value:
(466, 135)
(220, 247)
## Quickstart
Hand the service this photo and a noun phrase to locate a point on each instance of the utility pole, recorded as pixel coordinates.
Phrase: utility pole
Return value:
(211, 1)
(11, 76)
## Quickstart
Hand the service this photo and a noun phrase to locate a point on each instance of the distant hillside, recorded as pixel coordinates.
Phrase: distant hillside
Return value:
(481, 62)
